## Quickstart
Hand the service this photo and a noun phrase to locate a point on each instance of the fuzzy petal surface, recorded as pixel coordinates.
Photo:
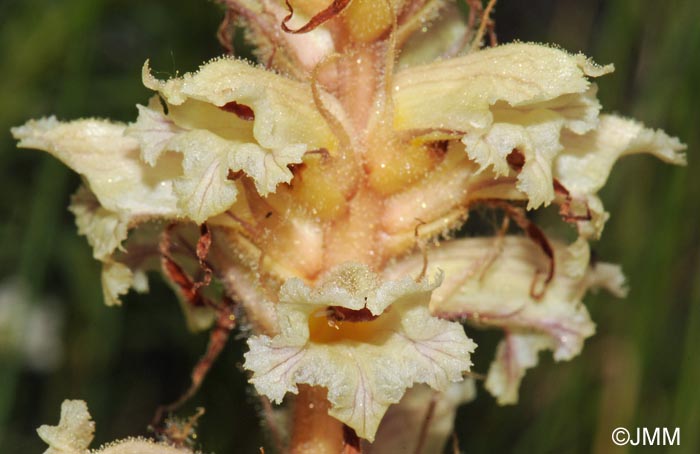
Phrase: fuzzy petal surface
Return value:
(365, 366)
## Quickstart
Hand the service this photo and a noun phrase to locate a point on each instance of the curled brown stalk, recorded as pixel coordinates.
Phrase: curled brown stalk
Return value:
(536, 235)
(226, 31)
(191, 292)
(175, 273)
(568, 212)
(225, 322)
(335, 8)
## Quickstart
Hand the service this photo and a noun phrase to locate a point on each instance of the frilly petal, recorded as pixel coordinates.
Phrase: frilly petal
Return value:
(517, 98)
(110, 163)
(205, 189)
(284, 110)
(369, 365)
(116, 279)
(534, 132)
(514, 355)
(122, 190)
(230, 117)
(489, 282)
(586, 160)
(492, 284)
(536, 136)
(106, 232)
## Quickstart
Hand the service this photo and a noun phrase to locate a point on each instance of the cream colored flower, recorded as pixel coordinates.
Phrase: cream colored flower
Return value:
(503, 283)
(229, 117)
(365, 363)
(76, 429)
(424, 418)
(178, 166)
(518, 122)
(534, 101)
(343, 162)
(586, 160)
(74, 432)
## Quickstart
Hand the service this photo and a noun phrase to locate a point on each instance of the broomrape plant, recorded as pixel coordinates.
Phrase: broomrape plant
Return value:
(314, 188)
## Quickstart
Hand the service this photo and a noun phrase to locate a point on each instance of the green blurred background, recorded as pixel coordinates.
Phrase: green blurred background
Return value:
(79, 58)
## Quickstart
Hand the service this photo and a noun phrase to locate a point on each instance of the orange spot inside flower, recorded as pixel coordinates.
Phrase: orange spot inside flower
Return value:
(325, 328)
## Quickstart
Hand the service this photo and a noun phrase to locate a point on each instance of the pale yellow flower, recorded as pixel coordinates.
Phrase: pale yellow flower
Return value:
(319, 179)
(74, 432)
(365, 363)
(76, 429)
(502, 282)
(404, 427)
(231, 118)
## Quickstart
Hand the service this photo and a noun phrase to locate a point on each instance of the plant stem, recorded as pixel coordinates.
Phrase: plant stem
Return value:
(315, 432)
